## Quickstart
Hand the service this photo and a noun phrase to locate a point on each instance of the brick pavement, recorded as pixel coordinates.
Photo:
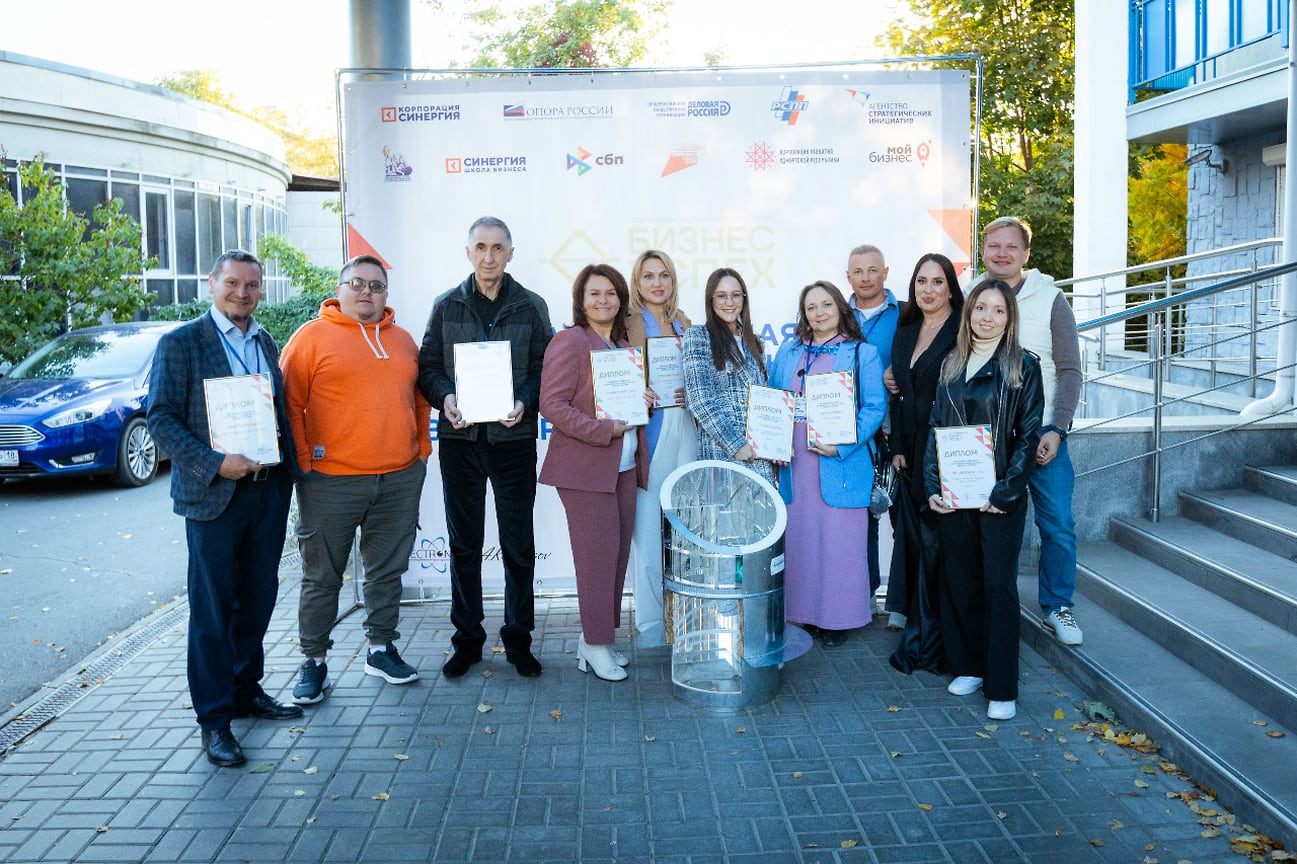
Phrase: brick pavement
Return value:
(851, 762)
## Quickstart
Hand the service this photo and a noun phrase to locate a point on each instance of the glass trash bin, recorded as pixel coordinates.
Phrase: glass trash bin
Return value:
(723, 574)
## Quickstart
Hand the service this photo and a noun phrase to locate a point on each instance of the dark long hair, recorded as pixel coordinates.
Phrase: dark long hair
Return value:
(618, 281)
(847, 324)
(1010, 349)
(723, 348)
(912, 312)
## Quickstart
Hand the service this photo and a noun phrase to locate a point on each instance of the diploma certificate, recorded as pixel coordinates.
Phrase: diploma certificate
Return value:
(831, 408)
(241, 417)
(483, 381)
(966, 465)
(666, 369)
(770, 423)
(619, 385)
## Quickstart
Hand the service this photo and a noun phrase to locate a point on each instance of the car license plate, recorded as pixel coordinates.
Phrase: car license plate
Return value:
(8, 457)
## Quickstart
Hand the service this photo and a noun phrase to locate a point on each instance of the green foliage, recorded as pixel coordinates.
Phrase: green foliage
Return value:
(1158, 202)
(315, 284)
(70, 271)
(1029, 51)
(201, 84)
(566, 34)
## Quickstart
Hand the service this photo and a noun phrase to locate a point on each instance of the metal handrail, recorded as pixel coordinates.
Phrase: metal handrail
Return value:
(1250, 246)
(1160, 356)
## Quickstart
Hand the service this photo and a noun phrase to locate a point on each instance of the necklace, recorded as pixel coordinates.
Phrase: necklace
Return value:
(927, 326)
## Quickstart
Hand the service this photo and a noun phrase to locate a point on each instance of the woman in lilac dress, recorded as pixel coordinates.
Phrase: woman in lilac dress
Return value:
(827, 485)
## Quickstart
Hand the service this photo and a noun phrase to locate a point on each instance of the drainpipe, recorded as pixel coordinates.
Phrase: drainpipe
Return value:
(1282, 395)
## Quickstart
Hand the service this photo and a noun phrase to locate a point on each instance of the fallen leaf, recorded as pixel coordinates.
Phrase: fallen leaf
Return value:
(1000, 814)
(797, 775)
(896, 754)
(486, 673)
(992, 727)
(1058, 714)
(893, 709)
(117, 737)
(1147, 769)
(982, 735)
(312, 770)
(381, 796)
(1116, 824)
(497, 649)
(1260, 723)
(102, 829)
(849, 844)
(1070, 757)
(298, 793)
(1096, 842)
(263, 768)
(556, 714)
(488, 731)
(649, 739)
(401, 757)
(1141, 784)
(1098, 711)
(482, 707)
(741, 729)
(6, 571)
(1209, 833)
(925, 806)
(1274, 733)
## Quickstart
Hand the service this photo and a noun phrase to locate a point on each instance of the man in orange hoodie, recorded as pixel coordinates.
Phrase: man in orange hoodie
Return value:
(361, 427)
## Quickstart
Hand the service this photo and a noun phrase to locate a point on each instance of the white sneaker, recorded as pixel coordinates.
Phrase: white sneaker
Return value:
(964, 685)
(1002, 710)
(1062, 623)
(895, 621)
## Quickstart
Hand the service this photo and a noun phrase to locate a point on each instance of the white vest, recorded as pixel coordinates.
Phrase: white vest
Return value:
(1036, 300)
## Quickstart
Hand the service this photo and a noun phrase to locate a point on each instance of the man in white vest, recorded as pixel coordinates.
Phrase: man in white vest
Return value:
(1046, 327)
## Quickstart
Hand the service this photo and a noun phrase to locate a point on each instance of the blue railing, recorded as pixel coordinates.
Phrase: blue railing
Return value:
(1176, 43)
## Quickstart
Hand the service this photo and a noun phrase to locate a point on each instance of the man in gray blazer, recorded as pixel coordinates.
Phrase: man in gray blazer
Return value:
(235, 508)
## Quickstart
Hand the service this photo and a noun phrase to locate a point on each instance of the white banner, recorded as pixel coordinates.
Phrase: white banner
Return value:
(775, 173)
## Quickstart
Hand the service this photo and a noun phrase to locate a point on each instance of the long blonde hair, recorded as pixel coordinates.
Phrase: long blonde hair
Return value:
(1010, 350)
(636, 304)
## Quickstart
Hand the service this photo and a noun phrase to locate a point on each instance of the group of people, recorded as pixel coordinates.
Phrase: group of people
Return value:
(353, 394)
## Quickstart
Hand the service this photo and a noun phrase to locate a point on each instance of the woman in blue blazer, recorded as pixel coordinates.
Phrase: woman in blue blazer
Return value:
(827, 486)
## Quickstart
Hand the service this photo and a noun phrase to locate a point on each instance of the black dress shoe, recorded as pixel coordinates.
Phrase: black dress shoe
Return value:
(458, 663)
(222, 749)
(524, 661)
(266, 708)
(836, 638)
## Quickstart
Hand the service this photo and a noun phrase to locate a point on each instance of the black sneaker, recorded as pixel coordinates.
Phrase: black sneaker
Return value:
(312, 681)
(389, 666)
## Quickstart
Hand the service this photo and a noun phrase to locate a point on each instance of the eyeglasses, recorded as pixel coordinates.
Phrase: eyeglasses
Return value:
(726, 299)
(358, 285)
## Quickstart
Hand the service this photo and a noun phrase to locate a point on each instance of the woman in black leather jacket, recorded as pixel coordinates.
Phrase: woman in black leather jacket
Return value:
(987, 380)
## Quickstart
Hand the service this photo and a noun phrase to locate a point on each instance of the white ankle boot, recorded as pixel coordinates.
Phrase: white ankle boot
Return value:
(599, 659)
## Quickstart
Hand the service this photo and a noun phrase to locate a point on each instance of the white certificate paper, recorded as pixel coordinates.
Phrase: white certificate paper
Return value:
(666, 369)
(241, 417)
(770, 423)
(966, 465)
(830, 408)
(483, 381)
(619, 385)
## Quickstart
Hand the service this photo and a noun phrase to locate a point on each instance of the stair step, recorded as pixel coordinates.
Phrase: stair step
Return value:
(1275, 481)
(1261, 582)
(1252, 657)
(1256, 519)
(1203, 727)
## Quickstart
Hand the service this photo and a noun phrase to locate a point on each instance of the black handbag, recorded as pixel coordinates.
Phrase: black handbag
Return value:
(884, 491)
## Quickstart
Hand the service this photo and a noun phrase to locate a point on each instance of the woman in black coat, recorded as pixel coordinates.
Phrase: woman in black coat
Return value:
(987, 381)
(925, 334)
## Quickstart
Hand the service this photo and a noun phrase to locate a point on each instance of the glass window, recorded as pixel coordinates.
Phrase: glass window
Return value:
(1254, 18)
(1216, 22)
(247, 236)
(157, 233)
(230, 222)
(89, 172)
(164, 288)
(129, 194)
(186, 236)
(209, 232)
(84, 196)
(1186, 28)
(186, 290)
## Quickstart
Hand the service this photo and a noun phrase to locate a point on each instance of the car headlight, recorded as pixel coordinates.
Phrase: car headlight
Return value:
(80, 414)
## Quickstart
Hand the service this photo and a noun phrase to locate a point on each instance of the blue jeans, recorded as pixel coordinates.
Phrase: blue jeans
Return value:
(1051, 495)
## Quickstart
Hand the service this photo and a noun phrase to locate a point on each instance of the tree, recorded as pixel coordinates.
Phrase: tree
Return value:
(1026, 138)
(315, 284)
(67, 270)
(565, 34)
(1157, 205)
(307, 152)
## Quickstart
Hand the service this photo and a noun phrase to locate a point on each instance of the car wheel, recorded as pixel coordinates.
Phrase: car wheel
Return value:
(137, 455)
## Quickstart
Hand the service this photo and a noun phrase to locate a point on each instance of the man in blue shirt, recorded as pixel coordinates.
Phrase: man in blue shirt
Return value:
(877, 311)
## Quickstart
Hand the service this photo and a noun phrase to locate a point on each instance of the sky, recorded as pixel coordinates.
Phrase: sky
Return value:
(286, 54)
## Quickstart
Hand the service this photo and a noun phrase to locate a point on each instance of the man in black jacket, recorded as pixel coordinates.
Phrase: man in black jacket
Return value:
(488, 306)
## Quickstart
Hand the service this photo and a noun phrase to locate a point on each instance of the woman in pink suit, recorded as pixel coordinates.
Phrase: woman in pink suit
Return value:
(596, 465)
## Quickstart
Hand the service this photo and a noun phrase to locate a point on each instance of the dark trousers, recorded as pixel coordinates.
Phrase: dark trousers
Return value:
(385, 507)
(233, 583)
(978, 597)
(875, 572)
(510, 466)
(600, 525)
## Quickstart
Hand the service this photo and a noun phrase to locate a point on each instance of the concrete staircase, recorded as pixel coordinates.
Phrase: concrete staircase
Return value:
(1191, 636)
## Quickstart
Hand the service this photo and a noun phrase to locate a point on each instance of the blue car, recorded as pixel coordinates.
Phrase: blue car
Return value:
(77, 406)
